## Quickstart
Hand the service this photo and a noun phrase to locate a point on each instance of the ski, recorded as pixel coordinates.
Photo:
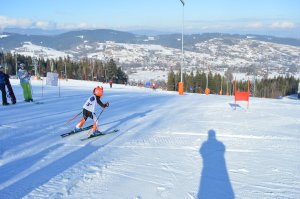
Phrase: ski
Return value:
(96, 136)
(11, 93)
(73, 132)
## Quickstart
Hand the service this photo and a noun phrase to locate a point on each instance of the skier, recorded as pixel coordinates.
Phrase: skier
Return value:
(89, 110)
(24, 81)
(3, 76)
(154, 86)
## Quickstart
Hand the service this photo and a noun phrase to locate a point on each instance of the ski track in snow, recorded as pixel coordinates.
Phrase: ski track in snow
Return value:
(156, 153)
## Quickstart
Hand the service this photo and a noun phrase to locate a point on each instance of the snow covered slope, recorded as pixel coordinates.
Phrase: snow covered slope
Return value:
(32, 50)
(168, 146)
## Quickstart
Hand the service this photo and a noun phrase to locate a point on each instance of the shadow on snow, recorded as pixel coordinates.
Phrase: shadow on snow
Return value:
(43, 175)
(214, 182)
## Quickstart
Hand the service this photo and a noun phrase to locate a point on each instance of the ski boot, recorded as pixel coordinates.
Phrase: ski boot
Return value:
(77, 129)
(96, 133)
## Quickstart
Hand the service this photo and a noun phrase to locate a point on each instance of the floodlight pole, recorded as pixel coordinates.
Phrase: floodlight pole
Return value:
(180, 85)
(65, 71)
(182, 57)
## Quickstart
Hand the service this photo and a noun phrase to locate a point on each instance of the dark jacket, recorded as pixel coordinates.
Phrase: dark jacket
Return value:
(3, 77)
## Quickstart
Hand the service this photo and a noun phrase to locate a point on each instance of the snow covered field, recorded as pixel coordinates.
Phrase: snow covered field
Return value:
(168, 146)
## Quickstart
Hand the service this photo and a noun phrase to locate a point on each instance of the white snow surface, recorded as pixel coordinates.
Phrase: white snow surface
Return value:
(165, 147)
(3, 36)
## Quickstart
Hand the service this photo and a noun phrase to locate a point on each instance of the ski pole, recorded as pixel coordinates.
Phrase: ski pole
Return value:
(96, 120)
(99, 114)
(72, 118)
(31, 90)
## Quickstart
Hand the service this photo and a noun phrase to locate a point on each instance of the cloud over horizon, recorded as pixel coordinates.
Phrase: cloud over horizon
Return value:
(283, 24)
(285, 27)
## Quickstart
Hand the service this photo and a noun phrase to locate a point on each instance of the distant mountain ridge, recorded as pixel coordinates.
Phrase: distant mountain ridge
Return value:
(135, 53)
(65, 41)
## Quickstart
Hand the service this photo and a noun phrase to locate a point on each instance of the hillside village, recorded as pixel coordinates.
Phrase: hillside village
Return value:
(144, 60)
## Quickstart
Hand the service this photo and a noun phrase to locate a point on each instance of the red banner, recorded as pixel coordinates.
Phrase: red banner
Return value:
(241, 96)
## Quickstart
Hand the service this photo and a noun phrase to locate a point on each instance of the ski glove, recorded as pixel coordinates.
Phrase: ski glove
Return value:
(106, 104)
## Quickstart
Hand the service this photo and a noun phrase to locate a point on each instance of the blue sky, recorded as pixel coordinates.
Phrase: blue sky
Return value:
(274, 17)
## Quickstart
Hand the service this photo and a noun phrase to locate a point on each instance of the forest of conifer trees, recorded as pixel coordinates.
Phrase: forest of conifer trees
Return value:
(267, 88)
(96, 70)
(85, 69)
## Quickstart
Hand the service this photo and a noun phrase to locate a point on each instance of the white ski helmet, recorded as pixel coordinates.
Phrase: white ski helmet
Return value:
(22, 65)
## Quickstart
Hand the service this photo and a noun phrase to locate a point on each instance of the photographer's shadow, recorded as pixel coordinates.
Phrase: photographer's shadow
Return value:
(215, 182)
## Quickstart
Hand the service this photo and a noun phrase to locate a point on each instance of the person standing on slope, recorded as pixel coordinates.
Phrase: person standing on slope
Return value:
(2, 86)
(89, 110)
(24, 81)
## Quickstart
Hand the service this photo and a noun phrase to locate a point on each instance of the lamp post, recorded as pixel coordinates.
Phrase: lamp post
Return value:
(180, 85)
(35, 64)
(66, 71)
(93, 65)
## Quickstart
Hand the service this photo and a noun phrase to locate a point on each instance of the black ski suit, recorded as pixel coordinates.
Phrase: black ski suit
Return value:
(3, 76)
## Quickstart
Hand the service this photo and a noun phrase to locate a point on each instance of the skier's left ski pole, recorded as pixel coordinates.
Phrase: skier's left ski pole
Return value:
(100, 114)
(97, 119)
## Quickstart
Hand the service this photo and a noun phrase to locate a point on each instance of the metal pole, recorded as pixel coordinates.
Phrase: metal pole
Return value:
(182, 55)
(221, 85)
(66, 77)
(93, 70)
(72, 118)
(181, 85)
(35, 67)
(43, 86)
(100, 114)
(207, 80)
